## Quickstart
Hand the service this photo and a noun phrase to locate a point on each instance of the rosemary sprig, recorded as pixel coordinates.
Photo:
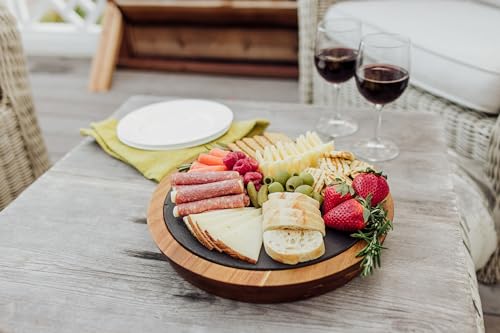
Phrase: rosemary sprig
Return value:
(377, 225)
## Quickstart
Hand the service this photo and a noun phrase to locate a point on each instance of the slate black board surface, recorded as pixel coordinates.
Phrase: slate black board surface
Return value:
(335, 243)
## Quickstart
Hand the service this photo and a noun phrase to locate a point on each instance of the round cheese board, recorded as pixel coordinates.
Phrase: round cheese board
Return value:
(265, 282)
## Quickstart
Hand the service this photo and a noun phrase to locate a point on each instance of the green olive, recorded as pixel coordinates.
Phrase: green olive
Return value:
(317, 196)
(262, 194)
(307, 178)
(268, 180)
(276, 187)
(292, 183)
(282, 177)
(295, 174)
(305, 189)
(252, 193)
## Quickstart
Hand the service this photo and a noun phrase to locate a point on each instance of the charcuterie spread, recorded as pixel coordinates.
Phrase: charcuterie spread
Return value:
(283, 195)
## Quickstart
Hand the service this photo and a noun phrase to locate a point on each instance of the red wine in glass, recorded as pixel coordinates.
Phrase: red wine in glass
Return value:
(381, 84)
(336, 65)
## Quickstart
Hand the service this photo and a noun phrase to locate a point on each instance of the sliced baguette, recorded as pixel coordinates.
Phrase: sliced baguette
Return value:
(293, 196)
(292, 218)
(293, 246)
(271, 205)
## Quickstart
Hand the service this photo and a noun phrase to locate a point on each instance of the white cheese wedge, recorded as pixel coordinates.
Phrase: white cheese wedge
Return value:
(226, 223)
(243, 242)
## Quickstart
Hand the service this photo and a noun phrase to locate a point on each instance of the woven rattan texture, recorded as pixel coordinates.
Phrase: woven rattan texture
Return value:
(23, 155)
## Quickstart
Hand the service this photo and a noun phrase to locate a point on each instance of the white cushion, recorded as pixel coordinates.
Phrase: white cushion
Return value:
(455, 45)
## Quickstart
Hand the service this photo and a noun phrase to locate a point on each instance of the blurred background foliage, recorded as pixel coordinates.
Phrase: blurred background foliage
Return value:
(54, 17)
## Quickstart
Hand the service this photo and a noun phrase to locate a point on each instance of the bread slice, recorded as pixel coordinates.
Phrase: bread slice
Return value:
(293, 246)
(293, 218)
(294, 196)
(291, 203)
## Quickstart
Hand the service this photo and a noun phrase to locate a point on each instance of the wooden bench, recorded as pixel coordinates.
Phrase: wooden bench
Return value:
(241, 37)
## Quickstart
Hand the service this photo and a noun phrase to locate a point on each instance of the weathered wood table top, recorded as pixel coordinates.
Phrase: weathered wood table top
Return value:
(76, 254)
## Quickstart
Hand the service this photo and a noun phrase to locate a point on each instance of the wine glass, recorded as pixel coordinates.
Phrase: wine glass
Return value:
(335, 54)
(382, 75)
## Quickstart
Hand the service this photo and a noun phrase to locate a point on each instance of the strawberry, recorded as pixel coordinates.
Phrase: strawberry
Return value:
(335, 195)
(350, 216)
(371, 183)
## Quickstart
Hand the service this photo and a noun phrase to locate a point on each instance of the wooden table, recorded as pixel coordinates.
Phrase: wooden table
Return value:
(76, 254)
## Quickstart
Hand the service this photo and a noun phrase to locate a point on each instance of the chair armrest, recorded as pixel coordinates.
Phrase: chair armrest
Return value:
(310, 12)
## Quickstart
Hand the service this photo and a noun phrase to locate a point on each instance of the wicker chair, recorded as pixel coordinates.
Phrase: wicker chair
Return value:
(23, 155)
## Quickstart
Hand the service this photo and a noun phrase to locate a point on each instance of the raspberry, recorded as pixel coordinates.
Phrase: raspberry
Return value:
(240, 154)
(230, 159)
(253, 163)
(242, 166)
(254, 177)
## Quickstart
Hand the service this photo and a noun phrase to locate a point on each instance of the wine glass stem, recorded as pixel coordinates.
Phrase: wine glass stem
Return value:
(378, 127)
(337, 112)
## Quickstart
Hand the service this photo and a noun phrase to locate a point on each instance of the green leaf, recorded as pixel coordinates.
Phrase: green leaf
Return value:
(184, 167)
(366, 214)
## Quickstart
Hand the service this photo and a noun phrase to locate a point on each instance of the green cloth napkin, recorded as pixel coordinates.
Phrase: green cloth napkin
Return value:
(156, 164)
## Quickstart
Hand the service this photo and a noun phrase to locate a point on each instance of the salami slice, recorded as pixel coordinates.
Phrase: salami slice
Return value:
(225, 202)
(194, 178)
(189, 193)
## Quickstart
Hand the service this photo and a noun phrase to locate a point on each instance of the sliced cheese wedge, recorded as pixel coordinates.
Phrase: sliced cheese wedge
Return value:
(217, 222)
(193, 228)
(223, 212)
(244, 242)
(225, 222)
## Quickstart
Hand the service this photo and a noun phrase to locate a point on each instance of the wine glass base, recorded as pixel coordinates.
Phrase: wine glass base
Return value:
(337, 127)
(376, 151)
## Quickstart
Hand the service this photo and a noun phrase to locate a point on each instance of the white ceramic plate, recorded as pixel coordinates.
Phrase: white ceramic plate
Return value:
(174, 124)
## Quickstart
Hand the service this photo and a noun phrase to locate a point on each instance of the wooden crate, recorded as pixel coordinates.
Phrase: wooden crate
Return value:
(239, 37)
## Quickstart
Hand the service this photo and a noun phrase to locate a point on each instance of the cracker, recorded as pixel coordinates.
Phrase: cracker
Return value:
(276, 137)
(346, 167)
(262, 141)
(346, 155)
(233, 147)
(319, 178)
(245, 148)
(320, 184)
(358, 167)
(252, 144)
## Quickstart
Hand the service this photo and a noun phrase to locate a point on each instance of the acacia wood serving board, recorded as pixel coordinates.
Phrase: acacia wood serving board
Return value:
(258, 286)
